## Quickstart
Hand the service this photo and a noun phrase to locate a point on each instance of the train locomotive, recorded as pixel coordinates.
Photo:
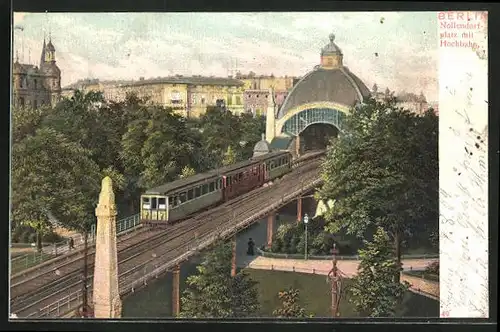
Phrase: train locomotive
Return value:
(180, 199)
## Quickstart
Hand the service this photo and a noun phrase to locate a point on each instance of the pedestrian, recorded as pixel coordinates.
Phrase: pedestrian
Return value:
(71, 243)
(251, 244)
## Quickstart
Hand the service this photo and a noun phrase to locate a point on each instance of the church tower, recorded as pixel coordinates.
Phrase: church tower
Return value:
(331, 55)
(51, 71)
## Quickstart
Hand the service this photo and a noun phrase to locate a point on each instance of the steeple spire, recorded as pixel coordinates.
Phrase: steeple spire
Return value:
(42, 57)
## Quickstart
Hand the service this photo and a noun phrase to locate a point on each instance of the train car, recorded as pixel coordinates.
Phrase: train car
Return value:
(181, 198)
(242, 177)
(277, 164)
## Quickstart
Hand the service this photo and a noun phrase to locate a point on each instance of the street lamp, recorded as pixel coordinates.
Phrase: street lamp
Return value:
(306, 221)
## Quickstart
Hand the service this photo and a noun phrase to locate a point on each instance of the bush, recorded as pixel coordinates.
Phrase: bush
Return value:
(433, 268)
(52, 237)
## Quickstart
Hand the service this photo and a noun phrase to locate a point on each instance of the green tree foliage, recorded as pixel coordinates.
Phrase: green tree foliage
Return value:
(220, 129)
(252, 129)
(289, 307)
(187, 172)
(374, 291)
(52, 175)
(383, 172)
(156, 147)
(229, 157)
(213, 293)
(25, 121)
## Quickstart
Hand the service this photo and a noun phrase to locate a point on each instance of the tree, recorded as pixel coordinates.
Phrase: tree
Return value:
(52, 176)
(220, 129)
(213, 293)
(374, 291)
(383, 172)
(26, 120)
(289, 306)
(156, 147)
(229, 157)
(251, 132)
(187, 172)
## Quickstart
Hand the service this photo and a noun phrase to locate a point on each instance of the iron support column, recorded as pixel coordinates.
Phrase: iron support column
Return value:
(299, 209)
(176, 291)
(270, 228)
(233, 258)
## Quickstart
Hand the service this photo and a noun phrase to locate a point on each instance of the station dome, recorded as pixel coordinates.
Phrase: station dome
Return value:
(261, 147)
(330, 81)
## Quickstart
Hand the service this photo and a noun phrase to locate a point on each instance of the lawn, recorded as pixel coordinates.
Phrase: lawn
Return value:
(315, 295)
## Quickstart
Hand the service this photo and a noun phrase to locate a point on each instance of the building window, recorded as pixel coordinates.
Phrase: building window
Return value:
(21, 82)
(21, 101)
(36, 84)
(230, 100)
(203, 100)
(176, 97)
(238, 100)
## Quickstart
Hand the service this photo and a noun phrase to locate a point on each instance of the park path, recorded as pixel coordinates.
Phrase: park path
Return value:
(347, 268)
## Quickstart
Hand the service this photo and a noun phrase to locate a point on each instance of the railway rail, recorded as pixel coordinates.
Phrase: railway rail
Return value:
(139, 258)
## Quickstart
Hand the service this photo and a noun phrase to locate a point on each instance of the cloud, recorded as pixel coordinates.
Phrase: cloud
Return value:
(400, 52)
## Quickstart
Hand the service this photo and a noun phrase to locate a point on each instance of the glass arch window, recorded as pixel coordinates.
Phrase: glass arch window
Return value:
(297, 123)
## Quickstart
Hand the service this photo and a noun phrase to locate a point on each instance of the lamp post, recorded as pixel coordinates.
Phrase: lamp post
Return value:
(306, 221)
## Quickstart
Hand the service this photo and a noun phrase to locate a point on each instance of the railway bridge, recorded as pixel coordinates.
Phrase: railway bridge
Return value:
(54, 288)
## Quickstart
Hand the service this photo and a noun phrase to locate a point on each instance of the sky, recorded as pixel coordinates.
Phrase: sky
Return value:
(397, 50)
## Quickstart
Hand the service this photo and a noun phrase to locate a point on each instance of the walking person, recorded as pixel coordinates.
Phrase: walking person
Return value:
(71, 243)
(251, 245)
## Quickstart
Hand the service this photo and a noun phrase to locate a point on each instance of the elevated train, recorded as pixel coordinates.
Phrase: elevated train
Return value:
(180, 199)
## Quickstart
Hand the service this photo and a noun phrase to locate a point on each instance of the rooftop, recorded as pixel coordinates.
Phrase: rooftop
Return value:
(179, 79)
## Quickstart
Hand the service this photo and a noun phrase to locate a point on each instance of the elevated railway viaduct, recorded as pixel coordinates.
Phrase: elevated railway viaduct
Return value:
(55, 289)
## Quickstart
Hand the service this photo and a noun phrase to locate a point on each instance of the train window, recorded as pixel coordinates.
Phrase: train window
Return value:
(145, 203)
(172, 201)
(162, 203)
(154, 206)
(190, 194)
(220, 183)
(182, 198)
(228, 181)
(197, 192)
(211, 187)
(204, 189)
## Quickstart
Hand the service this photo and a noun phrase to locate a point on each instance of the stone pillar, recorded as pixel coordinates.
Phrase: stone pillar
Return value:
(107, 303)
(299, 209)
(270, 118)
(270, 228)
(297, 145)
(176, 304)
(233, 259)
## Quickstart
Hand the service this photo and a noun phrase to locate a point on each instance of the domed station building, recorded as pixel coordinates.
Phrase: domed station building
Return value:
(312, 112)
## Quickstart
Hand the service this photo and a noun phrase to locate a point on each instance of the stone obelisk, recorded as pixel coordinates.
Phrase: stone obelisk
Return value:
(107, 303)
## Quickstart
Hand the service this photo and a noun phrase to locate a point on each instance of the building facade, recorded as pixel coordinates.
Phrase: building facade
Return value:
(258, 90)
(188, 96)
(34, 86)
(417, 104)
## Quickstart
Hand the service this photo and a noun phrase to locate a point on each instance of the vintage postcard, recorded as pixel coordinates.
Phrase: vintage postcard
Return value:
(246, 165)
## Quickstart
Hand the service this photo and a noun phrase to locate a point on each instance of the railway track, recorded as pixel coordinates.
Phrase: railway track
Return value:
(136, 255)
